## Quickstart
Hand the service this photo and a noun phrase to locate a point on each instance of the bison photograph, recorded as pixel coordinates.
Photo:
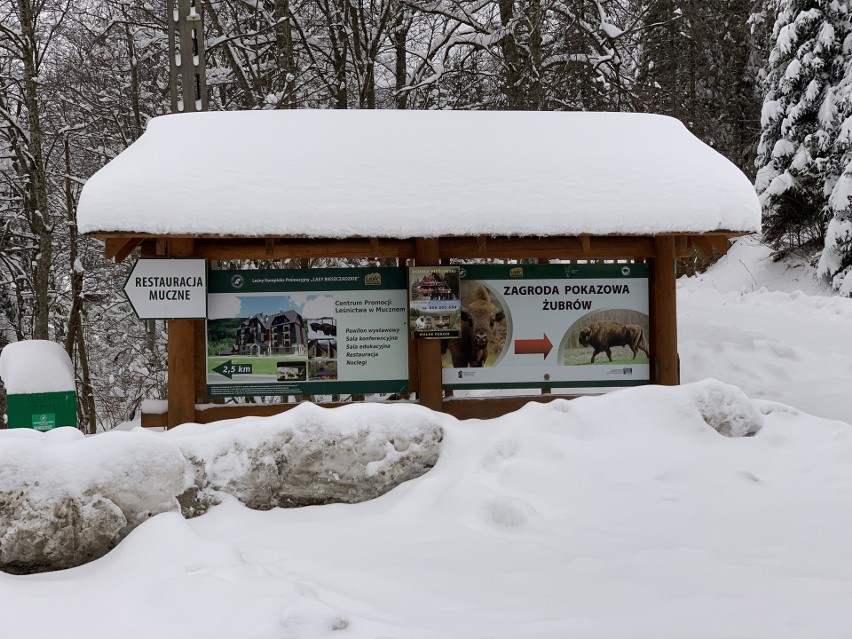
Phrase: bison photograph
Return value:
(604, 336)
(483, 328)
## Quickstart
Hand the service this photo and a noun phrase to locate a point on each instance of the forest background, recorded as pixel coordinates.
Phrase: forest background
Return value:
(768, 83)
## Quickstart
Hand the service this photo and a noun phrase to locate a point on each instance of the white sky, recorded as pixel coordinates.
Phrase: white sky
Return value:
(417, 173)
(619, 516)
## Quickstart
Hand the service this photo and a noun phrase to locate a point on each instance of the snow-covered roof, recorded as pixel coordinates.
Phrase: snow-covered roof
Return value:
(403, 174)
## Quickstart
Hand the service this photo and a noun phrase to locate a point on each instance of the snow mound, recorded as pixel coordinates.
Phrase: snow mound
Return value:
(750, 266)
(726, 408)
(65, 499)
(36, 366)
(310, 455)
(539, 524)
(271, 602)
(768, 327)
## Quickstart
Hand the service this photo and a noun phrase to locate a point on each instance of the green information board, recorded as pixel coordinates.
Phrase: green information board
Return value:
(42, 411)
(315, 331)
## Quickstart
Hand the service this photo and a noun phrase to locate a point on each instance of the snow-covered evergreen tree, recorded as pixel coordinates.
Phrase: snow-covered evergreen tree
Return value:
(805, 137)
(836, 261)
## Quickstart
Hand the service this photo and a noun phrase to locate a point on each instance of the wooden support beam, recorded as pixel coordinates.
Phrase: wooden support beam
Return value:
(200, 371)
(718, 242)
(209, 414)
(702, 245)
(127, 249)
(460, 408)
(283, 249)
(206, 414)
(112, 246)
(413, 366)
(181, 382)
(148, 248)
(154, 420)
(682, 248)
(547, 247)
(118, 249)
(427, 253)
(583, 247)
(181, 355)
(180, 247)
(664, 313)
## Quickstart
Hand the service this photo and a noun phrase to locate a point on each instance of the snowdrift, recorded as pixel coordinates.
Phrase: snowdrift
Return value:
(626, 515)
(66, 499)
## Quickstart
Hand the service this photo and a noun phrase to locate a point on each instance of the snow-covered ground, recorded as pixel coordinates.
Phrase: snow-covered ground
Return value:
(769, 328)
(620, 516)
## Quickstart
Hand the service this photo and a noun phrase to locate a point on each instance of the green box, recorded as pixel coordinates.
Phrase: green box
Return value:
(42, 411)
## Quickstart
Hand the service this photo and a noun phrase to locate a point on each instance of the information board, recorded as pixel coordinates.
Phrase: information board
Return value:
(583, 326)
(307, 331)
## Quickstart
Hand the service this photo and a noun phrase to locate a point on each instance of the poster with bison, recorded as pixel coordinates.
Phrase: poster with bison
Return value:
(311, 331)
(581, 327)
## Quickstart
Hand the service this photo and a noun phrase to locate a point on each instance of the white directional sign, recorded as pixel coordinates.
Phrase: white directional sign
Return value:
(168, 288)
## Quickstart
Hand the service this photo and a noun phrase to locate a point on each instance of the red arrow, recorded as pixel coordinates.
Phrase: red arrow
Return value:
(533, 346)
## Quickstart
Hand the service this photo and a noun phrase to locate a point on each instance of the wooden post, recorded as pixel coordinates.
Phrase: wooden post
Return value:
(429, 350)
(199, 373)
(181, 351)
(664, 313)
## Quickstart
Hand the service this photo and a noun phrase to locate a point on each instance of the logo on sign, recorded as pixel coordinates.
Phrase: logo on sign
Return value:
(44, 421)
(237, 281)
(373, 279)
(518, 271)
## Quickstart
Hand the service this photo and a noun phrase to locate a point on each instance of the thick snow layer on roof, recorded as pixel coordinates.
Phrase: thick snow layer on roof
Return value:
(417, 174)
(36, 366)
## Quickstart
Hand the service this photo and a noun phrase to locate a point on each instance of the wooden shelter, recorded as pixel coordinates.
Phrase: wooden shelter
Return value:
(422, 188)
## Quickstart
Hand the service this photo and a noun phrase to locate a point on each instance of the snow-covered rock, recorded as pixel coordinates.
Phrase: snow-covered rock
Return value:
(309, 455)
(66, 500)
(726, 408)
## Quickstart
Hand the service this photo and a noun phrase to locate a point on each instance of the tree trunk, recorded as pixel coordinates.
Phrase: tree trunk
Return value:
(134, 83)
(284, 52)
(512, 59)
(400, 36)
(86, 400)
(536, 93)
(74, 316)
(249, 100)
(36, 204)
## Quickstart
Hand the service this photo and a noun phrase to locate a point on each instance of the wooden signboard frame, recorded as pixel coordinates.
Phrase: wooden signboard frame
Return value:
(186, 339)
